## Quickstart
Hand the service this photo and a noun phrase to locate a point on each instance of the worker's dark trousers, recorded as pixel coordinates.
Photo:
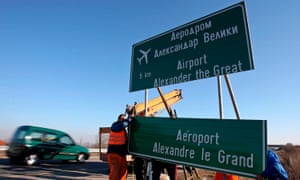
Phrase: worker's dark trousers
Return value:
(139, 168)
(158, 168)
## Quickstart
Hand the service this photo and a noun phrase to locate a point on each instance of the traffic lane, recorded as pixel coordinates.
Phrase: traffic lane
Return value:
(91, 169)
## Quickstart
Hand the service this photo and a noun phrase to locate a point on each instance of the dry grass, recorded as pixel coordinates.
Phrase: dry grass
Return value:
(290, 159)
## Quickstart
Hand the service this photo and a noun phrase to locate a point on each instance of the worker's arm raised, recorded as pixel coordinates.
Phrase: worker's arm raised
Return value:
(119, 126)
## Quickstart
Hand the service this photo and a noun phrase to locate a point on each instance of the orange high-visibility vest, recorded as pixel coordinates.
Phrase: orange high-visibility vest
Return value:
(117, 138)
(220, 176)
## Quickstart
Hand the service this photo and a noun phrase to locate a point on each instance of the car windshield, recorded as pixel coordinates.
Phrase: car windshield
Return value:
(20, 133)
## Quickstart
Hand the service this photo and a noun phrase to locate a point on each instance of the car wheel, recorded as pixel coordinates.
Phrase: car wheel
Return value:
(32, 159)
(81, 158)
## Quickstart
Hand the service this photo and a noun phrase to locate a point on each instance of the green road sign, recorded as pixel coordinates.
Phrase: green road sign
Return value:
(230, 146)
(213, 45)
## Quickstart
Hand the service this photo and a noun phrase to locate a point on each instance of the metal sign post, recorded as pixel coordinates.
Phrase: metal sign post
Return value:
(221, 101)
(232, 97)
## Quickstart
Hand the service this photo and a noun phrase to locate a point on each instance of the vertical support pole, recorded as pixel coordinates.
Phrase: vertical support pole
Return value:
(149, 169)
(146, 102)
(172, 116)
(100, 145)
(149, 163)
(220, 106)
(165, 103)
(232, 100)
(220, 97)
(232, 97)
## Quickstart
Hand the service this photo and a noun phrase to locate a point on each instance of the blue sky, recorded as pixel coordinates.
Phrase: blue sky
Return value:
(66, 64)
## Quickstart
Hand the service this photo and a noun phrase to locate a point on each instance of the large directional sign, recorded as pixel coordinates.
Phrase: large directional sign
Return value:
(229, 146)
(213, 45)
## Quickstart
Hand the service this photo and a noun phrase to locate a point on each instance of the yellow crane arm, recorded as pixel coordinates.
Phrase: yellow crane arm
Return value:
(156, 105)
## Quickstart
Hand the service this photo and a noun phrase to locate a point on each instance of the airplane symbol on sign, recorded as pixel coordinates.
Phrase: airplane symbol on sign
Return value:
(144, 56)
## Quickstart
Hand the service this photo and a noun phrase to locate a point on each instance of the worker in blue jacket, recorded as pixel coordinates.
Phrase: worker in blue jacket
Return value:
(274, 169)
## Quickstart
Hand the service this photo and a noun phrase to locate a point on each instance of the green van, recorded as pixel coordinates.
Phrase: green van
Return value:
(30, 144)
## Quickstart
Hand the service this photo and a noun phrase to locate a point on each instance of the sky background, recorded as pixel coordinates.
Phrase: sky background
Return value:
(66, 64)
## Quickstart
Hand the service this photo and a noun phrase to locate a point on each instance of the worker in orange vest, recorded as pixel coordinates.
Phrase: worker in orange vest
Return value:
(117, 148)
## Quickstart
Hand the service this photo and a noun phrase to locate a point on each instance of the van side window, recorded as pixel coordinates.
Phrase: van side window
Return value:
(50, 137)
(43, 136)
(36, 135)
(66, 140)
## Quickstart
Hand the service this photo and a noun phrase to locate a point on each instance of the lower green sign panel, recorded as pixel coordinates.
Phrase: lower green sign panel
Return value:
(229, 146)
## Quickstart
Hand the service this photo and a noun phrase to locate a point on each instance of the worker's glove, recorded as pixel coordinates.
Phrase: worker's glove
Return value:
(125, 123)
(130, 119)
